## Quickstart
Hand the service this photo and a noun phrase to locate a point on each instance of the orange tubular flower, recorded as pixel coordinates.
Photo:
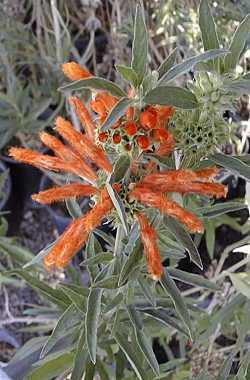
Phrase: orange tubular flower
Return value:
(130, 128)
(74, 71)
(103, 103)
(116, 138)
(166, 140)
(103, 137)
(82, 145)
(77, 233)
(163, 115)
(84, 116)
(148, 118)
(167, 207)
(64, 192)
(185, 181)
(143, 142)
(79, 166)
(151, 251)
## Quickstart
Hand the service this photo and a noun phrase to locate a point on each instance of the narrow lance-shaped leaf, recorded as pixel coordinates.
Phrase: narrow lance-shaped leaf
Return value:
(70, 318)
(127, 73)
(91, 321)
(80, 357)
(207, 26)
(131, 263)
(95, 83)
(130, 353)
(168, 63)
(116, 112)
(119, 206)
(234, 165)
(140, 45)
(238, 43)
(142, 340)
(185, 239)
(172, 290)
(189, 63)
(172, 96)
(120, 168)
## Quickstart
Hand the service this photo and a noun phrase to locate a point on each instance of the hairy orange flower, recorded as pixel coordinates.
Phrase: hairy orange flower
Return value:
(167, 207)
(64, 192)
(116, 138)
(166, 140)
(185, 181)
(130, 128)
(82, 145)
(163, 115)
(77, 233)
(68, 155)
(84, 116)
(74, 71)
(148, 118)
(151, 251)
(103, 103)
(143, 142)
(130, 113)
(103, 137)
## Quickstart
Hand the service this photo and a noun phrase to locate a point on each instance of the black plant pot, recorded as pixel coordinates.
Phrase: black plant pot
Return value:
(6, 187)
(25, 181)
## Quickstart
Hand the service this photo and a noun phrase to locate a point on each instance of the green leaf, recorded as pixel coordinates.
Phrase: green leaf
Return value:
(172, 96)
(116, 112)
(238, 43)
(234, 165)
(91, 321)
(189, 63)
(70, 318)
(90, 253)
(130, 353)
(238, 86)
(207, 27)
(117, 202)
(140, 45)
(184, 238)
(110, 282)
(120, 168)
(162, 317)
(80, 357)
(210, 237)
(73, 208)
(17, 253)
(100, 258)
(76, 297)
(49, 369)
(95, 83)
(38, 259)
(169, 285)
(168, 63)
(89, 370)
(53, 295)
(142, 340)
(219, 209)
(192, 279)
(146, 289)
(127, 73)
(132, 262)
(241, 282)
(103, 373)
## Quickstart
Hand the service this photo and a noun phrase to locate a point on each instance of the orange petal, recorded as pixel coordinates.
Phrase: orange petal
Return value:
(82, 145)
(148, 118)
(74, 71)
(78, 166)
(64, 192)
(77, 233)
(151, 251)
(166, 140)
(168, 207)
(163, 114)
(84, 116)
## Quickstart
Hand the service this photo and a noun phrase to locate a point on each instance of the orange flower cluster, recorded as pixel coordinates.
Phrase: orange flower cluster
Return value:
(146, 130)
(150, 191)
